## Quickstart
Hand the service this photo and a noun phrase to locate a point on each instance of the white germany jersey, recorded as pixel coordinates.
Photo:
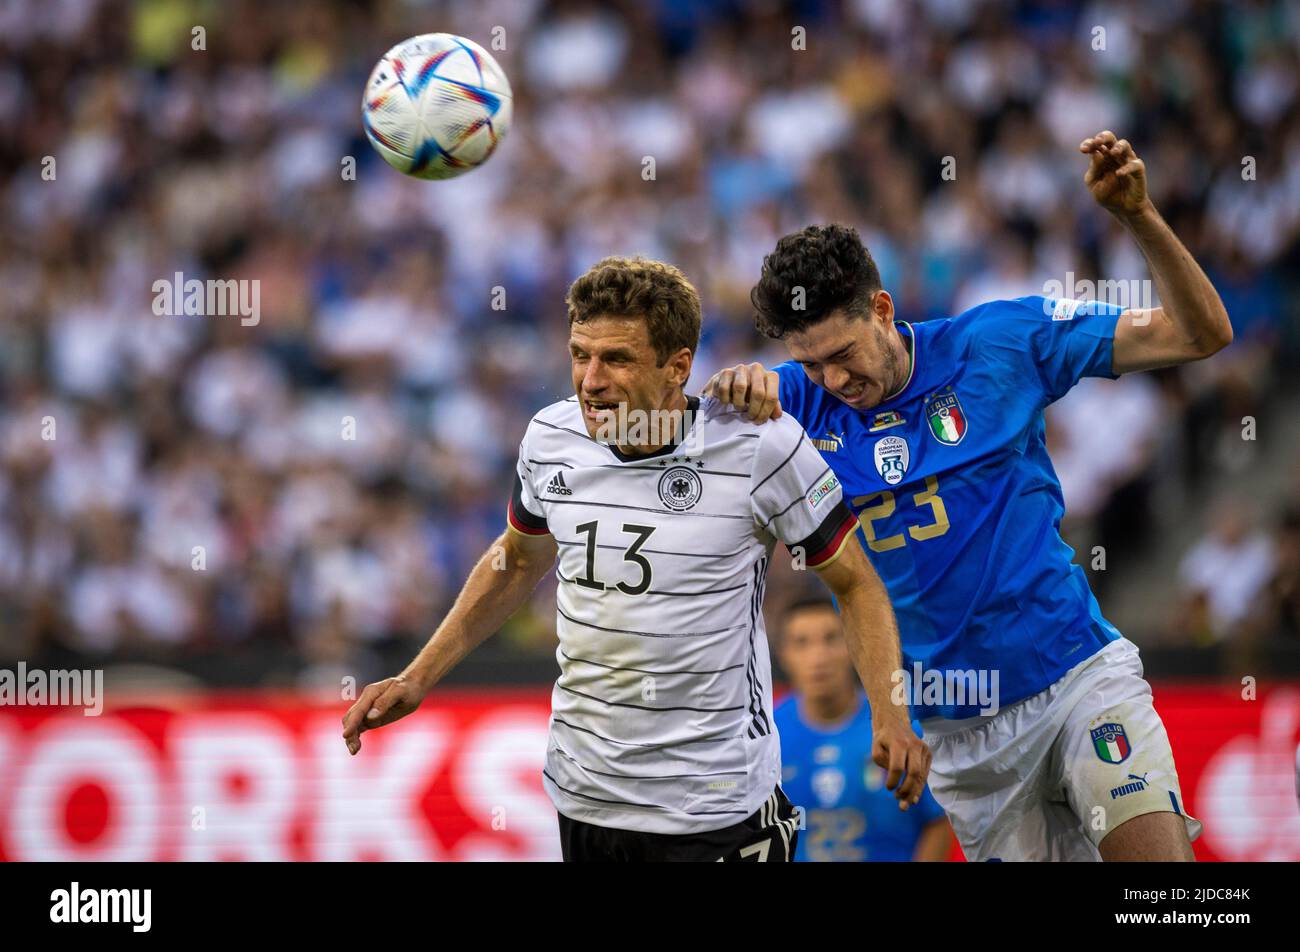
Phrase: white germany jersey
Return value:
(662, 715)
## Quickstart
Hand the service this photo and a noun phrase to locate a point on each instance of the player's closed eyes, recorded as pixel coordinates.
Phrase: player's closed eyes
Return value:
(835, 358)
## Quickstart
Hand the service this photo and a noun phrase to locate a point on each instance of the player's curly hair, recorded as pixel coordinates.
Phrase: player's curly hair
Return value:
(640, 287)
(825, 268)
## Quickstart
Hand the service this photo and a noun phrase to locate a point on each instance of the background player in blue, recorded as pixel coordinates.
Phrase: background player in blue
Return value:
(936, 433)
(826, 764)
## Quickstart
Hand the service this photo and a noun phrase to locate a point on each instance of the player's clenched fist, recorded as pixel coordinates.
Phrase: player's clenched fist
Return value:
(896, 749)
(749, 387)
(1116, 177)
(380, 703)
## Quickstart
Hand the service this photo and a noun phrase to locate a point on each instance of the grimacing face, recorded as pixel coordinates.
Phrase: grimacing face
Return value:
(855, 358)
(814, 653)
(613, 362)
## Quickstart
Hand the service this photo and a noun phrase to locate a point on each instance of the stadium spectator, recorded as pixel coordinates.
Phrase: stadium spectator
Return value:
(288, 494)
(1226, 575)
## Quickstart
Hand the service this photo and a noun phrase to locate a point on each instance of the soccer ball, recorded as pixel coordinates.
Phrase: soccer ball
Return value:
(436, 106)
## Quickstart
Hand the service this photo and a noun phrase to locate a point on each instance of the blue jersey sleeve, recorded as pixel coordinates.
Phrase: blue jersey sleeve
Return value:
(1064, 340)
(793, 384)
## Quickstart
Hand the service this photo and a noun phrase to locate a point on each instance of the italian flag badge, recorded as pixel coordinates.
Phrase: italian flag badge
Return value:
(947, 420)
(1111, 743)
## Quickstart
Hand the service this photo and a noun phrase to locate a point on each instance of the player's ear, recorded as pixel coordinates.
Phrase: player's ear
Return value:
(679, 366)
(882, 305)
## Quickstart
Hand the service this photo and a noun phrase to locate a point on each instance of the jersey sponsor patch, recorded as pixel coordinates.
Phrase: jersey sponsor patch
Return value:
(680, 488)
(885, 420)
(1111, 743)
(892, 459)
(946, 417)
(821, 491)
(1064, 309)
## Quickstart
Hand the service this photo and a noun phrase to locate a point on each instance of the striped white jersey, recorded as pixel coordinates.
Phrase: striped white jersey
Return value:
(662, 715)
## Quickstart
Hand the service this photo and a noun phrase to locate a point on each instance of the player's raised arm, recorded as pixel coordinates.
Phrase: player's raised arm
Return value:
(749, 387)
(1192, 322)
(498, 585)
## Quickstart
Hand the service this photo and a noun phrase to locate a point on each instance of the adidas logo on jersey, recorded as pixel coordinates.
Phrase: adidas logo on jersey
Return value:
(556, 486)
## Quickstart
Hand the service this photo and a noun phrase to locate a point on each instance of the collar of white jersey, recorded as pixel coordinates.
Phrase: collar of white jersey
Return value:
(691, 415)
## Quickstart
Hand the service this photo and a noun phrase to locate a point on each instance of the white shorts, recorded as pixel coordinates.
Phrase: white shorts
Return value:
(1048, 777)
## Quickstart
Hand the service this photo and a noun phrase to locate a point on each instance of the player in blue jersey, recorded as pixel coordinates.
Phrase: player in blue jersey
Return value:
(1046, 744)
(826, 764)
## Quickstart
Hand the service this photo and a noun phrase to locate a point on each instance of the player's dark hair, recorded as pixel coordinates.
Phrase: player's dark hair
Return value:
(640, 287)
(799, 603)
(804, 602)
(824, 268)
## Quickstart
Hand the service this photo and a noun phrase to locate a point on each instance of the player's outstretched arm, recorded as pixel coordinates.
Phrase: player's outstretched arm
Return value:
(1192, 322)
(500, 582)
(749, 387)
(872, 634)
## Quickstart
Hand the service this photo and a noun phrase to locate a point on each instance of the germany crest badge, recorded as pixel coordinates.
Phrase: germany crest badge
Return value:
(946, 417)
(680, 488)
(1111, 743)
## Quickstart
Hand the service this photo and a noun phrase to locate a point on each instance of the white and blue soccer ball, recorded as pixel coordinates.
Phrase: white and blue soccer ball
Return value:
(436, 106)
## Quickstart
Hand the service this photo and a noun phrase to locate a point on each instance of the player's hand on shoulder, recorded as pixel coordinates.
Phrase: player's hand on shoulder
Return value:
(1116, 177)
(896, 749)
(749, 387)
(381, 703)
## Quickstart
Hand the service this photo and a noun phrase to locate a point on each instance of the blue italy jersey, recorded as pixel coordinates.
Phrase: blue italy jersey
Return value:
(958, 504)
(849, 815)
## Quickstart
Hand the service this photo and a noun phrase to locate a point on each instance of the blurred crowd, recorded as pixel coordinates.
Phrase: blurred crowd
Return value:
(300, 496)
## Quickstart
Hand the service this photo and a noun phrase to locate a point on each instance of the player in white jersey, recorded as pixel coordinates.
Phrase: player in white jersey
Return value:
(663, 512)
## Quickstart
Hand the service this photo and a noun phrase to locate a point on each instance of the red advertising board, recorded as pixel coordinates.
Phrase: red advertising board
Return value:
(268, 778)
(1237, 762)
